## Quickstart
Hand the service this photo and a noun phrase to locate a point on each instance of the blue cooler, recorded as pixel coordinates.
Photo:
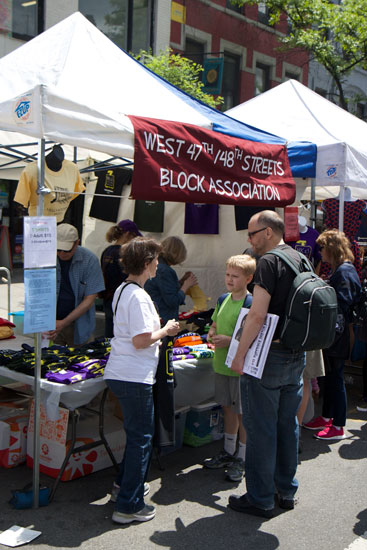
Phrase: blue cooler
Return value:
(201, 423)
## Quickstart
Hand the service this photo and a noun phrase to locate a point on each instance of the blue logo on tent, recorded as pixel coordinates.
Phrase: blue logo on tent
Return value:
(331, 172)
(22, 109)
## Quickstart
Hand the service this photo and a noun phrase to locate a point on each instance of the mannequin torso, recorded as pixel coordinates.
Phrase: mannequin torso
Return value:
(302, 224)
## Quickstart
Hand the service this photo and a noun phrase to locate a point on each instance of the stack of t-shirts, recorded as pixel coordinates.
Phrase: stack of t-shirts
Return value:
(61, 364)
(91, 368)
(190, 346)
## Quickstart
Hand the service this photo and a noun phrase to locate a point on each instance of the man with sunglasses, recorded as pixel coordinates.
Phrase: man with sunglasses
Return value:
(270, 404)
(79, 279)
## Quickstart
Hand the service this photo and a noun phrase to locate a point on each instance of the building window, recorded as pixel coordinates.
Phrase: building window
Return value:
(231, 81)
(126, 22)
(360, 111)
(233, 7)
(262, 78)
(321, 92)
(263, 13)
(141, 25)
(22, 19)
(194, 50)
(290, 76)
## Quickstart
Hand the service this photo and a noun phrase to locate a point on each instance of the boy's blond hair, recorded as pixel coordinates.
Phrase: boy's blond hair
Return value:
(244, 262)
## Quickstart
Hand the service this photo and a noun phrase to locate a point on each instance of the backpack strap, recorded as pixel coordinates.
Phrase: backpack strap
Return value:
(305, 262)
(246, 303)
(221, 299)
(118, 299)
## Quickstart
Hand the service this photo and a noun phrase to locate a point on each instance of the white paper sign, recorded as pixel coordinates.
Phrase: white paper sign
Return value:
(40, 300)
(16, 535)
(40, 243)
(256, 356)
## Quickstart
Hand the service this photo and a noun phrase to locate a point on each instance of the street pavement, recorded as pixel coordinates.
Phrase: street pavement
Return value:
(191, 501)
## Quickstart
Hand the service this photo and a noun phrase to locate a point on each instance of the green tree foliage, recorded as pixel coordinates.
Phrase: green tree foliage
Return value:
(180, 71)
(334, 33)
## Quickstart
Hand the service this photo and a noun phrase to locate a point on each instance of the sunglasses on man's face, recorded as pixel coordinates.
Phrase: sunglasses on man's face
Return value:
(252, 233)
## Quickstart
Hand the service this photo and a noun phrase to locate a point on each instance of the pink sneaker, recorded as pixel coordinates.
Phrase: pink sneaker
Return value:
(318, 423)
(331, 433)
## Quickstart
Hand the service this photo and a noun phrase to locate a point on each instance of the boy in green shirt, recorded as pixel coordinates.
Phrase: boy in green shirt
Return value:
(239, 273)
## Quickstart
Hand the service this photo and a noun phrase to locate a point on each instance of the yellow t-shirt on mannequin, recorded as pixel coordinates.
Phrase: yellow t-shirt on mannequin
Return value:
(63, 184)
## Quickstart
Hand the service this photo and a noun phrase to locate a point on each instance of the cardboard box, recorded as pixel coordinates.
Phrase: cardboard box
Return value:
(55, 440)
(13, 440)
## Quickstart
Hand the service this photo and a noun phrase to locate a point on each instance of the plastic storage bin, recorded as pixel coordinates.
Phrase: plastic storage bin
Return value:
(17, 317)
(202, 420)
(180, 422)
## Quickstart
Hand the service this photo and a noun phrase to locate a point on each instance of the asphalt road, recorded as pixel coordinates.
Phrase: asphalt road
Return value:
(191, 503)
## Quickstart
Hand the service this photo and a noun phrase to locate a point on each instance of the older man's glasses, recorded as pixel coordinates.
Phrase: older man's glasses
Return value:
(252, 233)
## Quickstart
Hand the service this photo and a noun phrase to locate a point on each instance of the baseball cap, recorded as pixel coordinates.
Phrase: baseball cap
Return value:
(130, 226)
(66, 236)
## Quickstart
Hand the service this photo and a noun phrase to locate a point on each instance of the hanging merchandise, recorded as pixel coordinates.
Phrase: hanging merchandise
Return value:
(243, 214)
(110, 185)
(306, 243)
(149, 215)
(291, 230)
(352, 215)
(61, 178)
(201, 219)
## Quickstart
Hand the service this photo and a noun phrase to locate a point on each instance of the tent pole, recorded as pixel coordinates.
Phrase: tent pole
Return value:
(37, 344)
(313, 203)
(341, 207)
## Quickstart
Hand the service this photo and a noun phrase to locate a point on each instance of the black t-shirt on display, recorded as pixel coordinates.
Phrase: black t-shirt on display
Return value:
(276, 277)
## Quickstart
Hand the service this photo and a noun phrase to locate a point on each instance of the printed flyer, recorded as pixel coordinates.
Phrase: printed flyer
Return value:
(256, 356)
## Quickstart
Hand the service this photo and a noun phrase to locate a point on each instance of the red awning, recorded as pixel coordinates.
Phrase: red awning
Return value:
(185, 163)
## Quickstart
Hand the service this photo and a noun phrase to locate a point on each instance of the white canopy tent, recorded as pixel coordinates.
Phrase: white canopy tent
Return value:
(296, 112)
(72, 85)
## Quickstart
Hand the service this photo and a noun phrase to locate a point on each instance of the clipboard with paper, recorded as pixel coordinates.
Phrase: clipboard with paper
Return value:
(258, 351)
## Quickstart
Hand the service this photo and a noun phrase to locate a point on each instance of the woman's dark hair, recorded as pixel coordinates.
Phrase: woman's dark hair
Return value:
(115, 232)
(136, 254)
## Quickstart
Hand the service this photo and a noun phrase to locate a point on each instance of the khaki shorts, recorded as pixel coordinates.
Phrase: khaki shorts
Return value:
(227, 392)
(314, 364)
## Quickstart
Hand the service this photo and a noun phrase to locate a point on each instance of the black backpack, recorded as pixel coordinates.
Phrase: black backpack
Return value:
(359, 310)
(311, 308)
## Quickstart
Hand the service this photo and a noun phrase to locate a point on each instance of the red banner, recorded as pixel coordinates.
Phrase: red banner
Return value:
(185, 163)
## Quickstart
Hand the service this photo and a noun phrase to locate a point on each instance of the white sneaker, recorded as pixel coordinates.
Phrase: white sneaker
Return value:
(362, 406)
(116, 489)
(146, 514)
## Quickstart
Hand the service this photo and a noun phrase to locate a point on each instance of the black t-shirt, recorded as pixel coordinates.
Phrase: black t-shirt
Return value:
(276, 277)
(112, 271)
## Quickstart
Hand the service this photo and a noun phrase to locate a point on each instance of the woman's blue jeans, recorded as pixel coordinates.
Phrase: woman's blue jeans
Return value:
(137, 407)
(269, 408)
(335, 398)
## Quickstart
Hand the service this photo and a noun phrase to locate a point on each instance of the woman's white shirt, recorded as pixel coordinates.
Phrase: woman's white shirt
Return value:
(135, 315)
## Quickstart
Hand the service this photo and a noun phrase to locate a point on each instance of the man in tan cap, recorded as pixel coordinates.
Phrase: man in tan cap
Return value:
(79, 279)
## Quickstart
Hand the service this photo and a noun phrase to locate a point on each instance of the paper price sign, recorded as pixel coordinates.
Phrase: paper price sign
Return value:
(40, 243)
